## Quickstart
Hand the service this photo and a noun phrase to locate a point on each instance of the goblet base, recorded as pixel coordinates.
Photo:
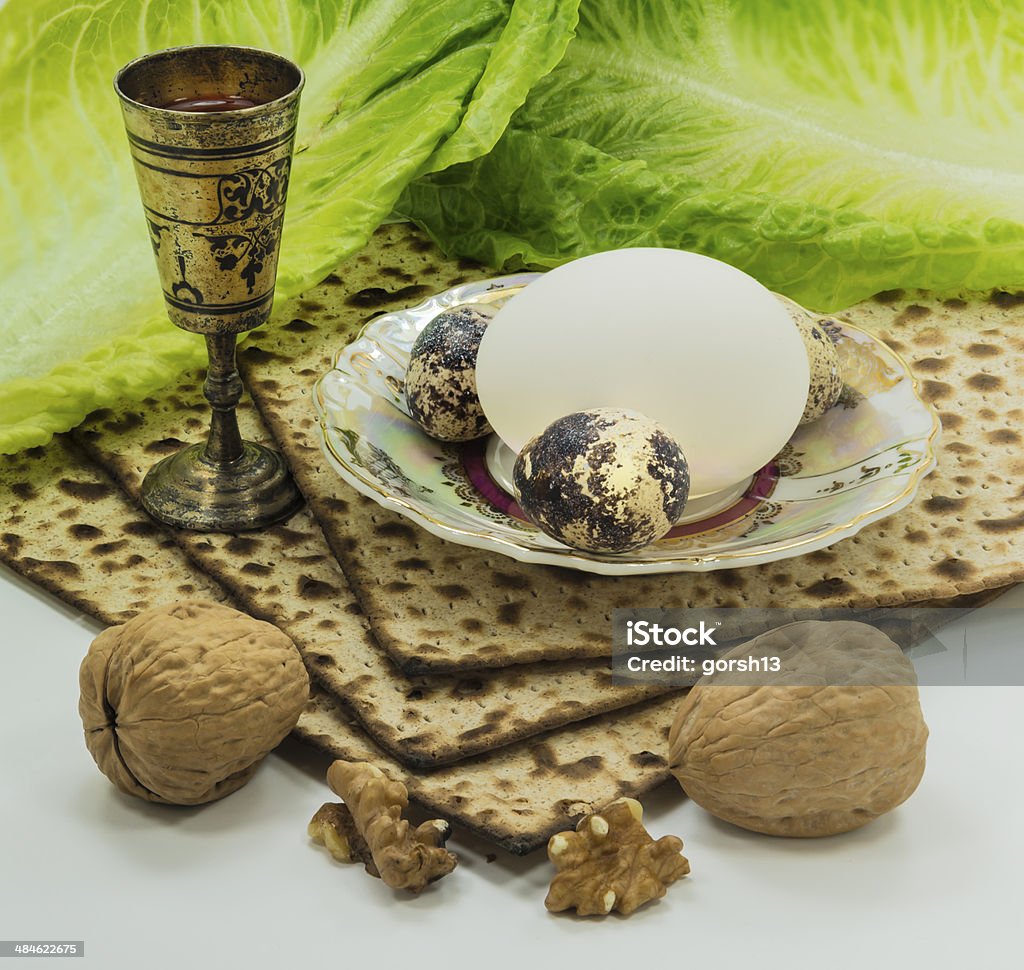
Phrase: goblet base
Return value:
(189, 491)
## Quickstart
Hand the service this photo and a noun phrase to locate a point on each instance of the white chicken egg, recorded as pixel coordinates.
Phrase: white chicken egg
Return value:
(697, 345)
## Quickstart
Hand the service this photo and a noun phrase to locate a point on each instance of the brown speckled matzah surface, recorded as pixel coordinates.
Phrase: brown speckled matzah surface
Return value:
(67, 527)
(522, 794)
(286, 574)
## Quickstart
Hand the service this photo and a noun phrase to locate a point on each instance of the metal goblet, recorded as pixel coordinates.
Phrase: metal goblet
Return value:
(211, 131)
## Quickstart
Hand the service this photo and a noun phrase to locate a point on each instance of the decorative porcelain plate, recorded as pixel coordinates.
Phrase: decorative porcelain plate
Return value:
(859, 463)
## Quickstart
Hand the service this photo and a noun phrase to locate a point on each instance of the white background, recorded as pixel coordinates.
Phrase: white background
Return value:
(937, 883)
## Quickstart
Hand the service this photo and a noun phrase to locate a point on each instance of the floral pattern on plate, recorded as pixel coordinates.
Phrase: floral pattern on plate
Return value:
(860, 462)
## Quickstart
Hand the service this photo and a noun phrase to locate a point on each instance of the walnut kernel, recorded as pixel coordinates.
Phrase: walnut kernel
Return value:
(611, 863)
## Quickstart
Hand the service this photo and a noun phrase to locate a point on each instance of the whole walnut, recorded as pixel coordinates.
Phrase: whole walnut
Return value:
(182, 702)
(830, 742)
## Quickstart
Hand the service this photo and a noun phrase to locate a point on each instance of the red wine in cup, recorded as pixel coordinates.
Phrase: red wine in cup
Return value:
(212, 102)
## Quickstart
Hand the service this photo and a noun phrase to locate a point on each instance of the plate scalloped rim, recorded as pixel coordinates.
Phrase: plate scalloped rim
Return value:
(543, 550)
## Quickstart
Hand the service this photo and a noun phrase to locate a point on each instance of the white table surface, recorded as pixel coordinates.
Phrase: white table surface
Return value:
(937, 883)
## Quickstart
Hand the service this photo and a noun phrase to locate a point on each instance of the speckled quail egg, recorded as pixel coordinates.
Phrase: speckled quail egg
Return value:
(604, 481)
(826, 378)
(440, 381)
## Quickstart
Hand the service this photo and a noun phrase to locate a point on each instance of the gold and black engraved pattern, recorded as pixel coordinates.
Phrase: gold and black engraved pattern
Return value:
(213, 188)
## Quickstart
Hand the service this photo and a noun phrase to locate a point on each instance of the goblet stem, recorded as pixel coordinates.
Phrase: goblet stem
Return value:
(225, 484)
(223, 389)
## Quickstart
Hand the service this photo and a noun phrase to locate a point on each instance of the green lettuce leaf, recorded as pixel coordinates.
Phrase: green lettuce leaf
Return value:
(394, 88)
(832, 150)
